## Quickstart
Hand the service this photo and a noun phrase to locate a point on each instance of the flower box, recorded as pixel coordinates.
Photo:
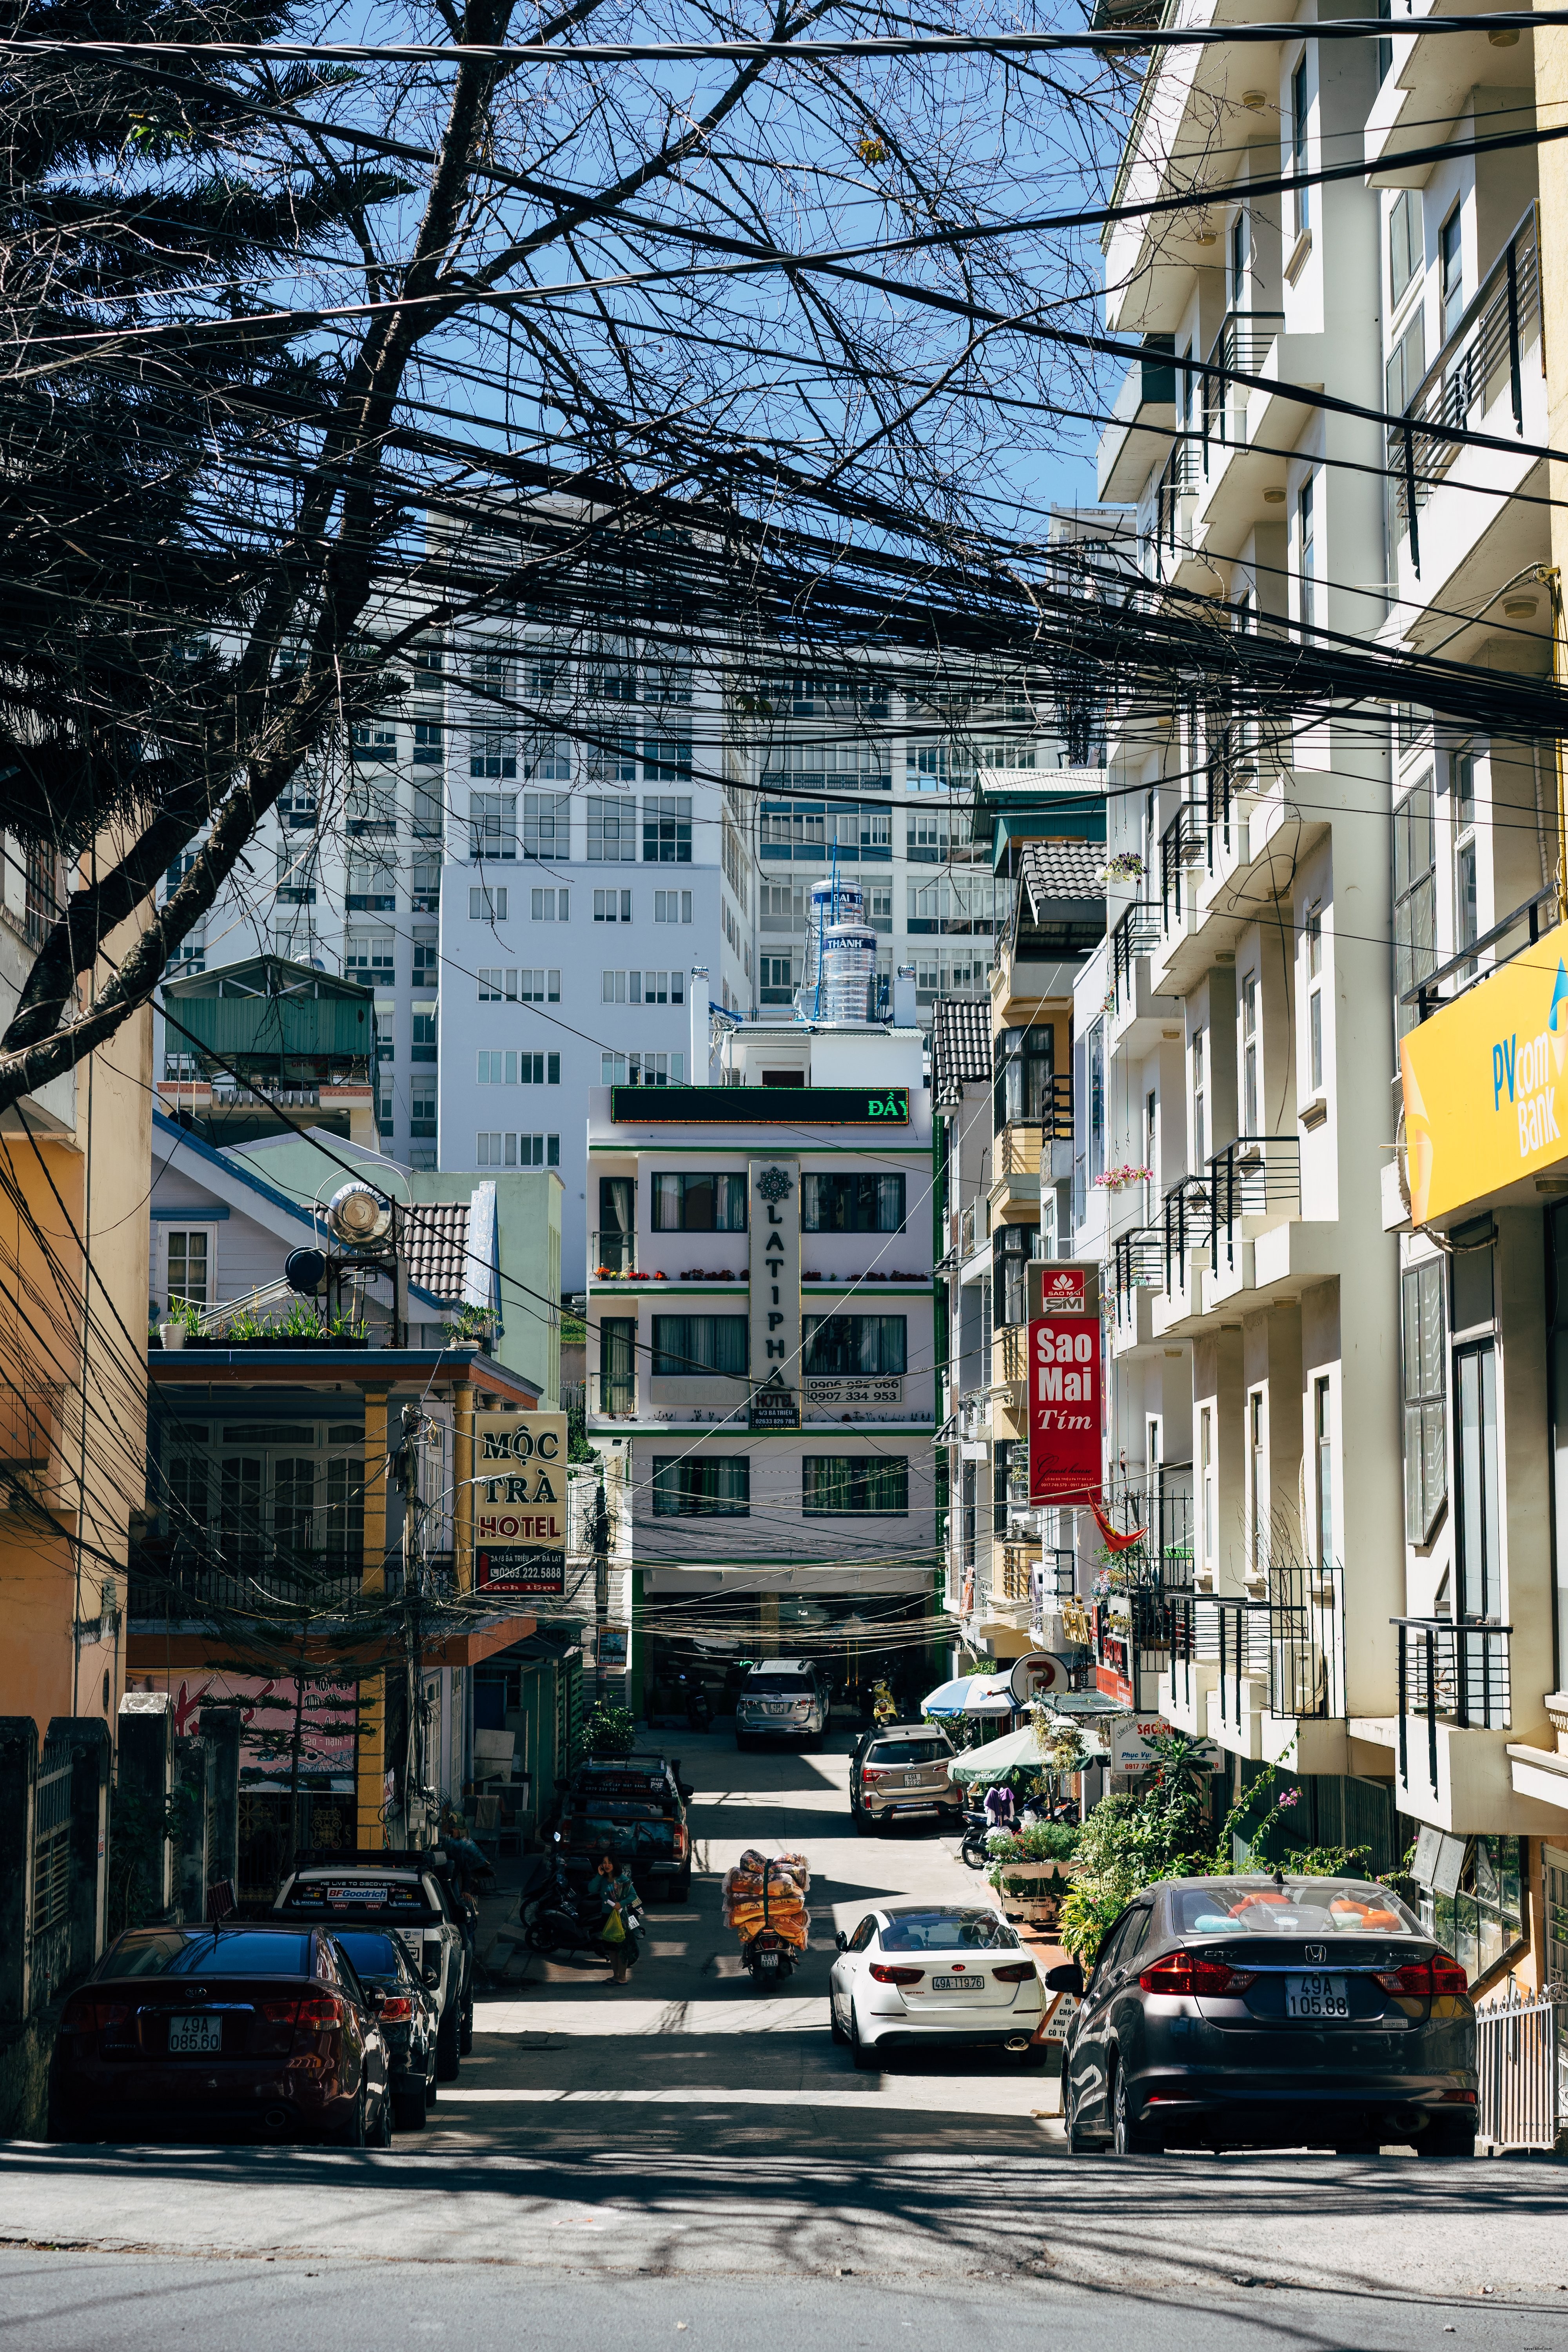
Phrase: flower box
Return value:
(1031, 1891)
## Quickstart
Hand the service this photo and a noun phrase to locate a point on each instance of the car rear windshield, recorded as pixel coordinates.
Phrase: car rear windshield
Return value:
(1301, 1906)
(776, 1687)
(395, 1898)
(168, 1952)
(947, 1931)
(371, 1955)
(909, 1751)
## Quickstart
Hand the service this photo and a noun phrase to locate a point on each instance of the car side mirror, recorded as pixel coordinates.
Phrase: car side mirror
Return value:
(686, 1789)
(841, 1942)
(1065, 1977)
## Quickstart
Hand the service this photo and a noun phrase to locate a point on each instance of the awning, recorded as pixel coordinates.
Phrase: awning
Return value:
(1018, 1752)
(972, 1694)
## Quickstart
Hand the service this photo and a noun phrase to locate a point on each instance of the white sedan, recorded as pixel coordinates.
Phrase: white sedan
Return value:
(922, 1972)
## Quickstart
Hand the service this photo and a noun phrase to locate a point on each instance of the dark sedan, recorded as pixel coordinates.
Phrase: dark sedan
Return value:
(1270, 2012)
(409, 2018)
(185, 2030)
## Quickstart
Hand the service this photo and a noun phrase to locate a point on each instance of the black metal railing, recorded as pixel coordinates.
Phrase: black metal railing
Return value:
(1161, 1561)
(1485, 351)
(1451, 1671)
(1242, 1628)
(1139, 1257)
(1244, 341)
(1137, 930)
(1257, 1176)
(1427, 995)
(1307, 1641)
(1187, 1222)
(1183, 848)
(189, 1586)
(1182, 477)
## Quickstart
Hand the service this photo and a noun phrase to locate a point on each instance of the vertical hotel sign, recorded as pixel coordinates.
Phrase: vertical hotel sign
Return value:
(774, 1213)
(1064, 1391)
(519, 1502)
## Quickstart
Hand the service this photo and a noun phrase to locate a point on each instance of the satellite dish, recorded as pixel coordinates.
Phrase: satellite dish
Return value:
(358, 1217)
(305, 1271)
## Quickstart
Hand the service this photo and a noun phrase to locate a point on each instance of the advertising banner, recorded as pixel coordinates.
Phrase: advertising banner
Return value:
(1064, 1408)
(519, 1502)
(1481, 1082)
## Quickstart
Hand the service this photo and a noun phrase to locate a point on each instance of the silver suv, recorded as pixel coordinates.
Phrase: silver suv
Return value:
(782, 1698)
(902, 1769)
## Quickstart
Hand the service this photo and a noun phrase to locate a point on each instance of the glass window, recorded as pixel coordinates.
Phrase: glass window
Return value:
(1307, 547)
(1300, 109)
(947, 1931)
(1451, 268)
(666, 829)
(1415, 899)
(702, 1485)
(612, 830)
(853, 1346)
(852, 1205)
(618, 1359)
(700, 1203)
(493, 825)
(1484, 1918)
(547, 826)
(1480, 1561)
(1404, 240)
(1323, 1466)
(1200, 1099)
(1023, 1060)
(177, 1952)
(1425, 1408)
(1250, 1091)
(1313, 947)
(688, 1345)
(835, 1484)
(188, 1260)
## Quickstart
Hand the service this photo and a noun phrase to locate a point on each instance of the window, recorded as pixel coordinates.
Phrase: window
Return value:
(853, 1346)
(1257, 1470)
(373, 888)
(489, 905)
(778, 977)
(700, 1203)
(880, 909)
(1250, 1120)
(1200, 1098)
(539, 987)
(552, 906)
(426, 959)
(1240, 254)
(422, 1109)
(614, 763)
(429, 748)
(424, 1037)
(1208, 1498)
(1405, 242)
(852, 1205)
(1478, 1546)
(493, 825)
(672, 906)
(1451, 271)
(371, 957)
(494, 1151)
(297, 806)
(1010, 1249)
(492, 732)
(700, 1345)
(642, 1069)
(1415, 899)
(1425, 1431)
(497, 1069)
(1385, 55)
(188, 1258)
(612, 830)
(840, 1484)
(667, 831)
(1323, 1471)
(666, 759)
(1023, 1063)
(702, 1485)
(1095, 1070)
(617, 1363)
(612, 906)
(1314, 946)
(1483, 1919)
(1463, 811)
(1406, 366)
(1307, 551)
(642, 988)
(374, 739)
(547, 826)
(1300, 107)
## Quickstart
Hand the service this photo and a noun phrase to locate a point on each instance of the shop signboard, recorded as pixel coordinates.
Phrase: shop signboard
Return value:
(520, 1503)
(1041, 1674)
(791, 1106)
(1129, 1737)
(1481, 1082)
(774, 1203)
(1064, 1399)
(868, 1394)
(775, 1407)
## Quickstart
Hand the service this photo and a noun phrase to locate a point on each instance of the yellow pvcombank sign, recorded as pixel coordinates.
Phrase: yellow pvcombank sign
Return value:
(1483, 1101)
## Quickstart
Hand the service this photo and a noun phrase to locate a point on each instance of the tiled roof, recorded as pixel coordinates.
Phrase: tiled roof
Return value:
(438, 1242)
(1063, 870)
(960, 1044)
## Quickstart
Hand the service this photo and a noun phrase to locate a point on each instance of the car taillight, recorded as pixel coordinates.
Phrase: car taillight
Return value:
(278, 2013)
(396, 2008)
(1014, 1972)
(1189, 1972)
(319, 2011)
(681, 1840)
(83, 2013)
(873, 1772)
(1422, 1979)
(885, 1975)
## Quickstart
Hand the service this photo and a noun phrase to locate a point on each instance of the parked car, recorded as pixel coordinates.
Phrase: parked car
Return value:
(265, 2028)
(409, 2018)
(403, 1892)
(933, 1973)
(1269, 2012)
(902, 1769)
(633, 1807)
(781, 1698)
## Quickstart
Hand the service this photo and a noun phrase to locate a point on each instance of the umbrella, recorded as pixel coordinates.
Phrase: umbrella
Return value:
(972, 1694)
(1019, 1752)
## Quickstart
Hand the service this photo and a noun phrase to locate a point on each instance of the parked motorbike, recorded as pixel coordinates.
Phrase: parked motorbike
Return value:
(553, 1920)
(699, 1711)
(977, 1830)
(768, 1958)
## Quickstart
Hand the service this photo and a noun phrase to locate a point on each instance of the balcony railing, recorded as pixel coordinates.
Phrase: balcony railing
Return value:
(1244, 342)
(1530, 919)
(1450, 1670)
(1485, 351)
(1257, 1176)
(1018, 1146)
(1242, 1627)
(1187, 1224)
(1307, 1641)
(1182, 477)
(1136, 932)
(1183, 849)
(1139, 1258)
(1163, 1560)
(614, 1253)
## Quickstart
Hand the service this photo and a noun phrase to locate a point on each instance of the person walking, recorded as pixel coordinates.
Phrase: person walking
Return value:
(613, 1885)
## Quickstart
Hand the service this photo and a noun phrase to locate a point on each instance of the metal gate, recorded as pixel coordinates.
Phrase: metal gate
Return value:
(1521, 2059)
(49, 1919)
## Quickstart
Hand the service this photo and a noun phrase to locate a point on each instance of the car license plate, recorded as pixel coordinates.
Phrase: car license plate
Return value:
(958, 1984)
(1316, 1997)
(194, 2037)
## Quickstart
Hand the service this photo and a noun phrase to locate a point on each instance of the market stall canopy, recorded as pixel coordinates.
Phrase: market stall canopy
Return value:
(972, 1694)
(1018, 1752)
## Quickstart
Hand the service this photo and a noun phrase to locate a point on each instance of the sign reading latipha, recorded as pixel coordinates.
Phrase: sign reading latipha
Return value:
(1483, 1084)
(519, 1502)
(773, 1221)
(791, 1106)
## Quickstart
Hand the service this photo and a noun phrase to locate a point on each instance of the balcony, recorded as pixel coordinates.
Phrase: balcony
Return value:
(1450, 1672)
(1137, 1259)
(1245, 432)
(1254, 1181)
(1517, 932)
(617, 1395)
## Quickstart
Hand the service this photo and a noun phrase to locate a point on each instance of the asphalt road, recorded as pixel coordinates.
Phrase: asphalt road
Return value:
(689, 2158)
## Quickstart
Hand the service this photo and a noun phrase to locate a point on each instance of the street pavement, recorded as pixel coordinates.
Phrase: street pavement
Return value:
(687, 2156)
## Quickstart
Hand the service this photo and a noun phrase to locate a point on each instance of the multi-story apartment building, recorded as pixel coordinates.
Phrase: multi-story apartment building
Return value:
(773, 1403)
(1328, 1361)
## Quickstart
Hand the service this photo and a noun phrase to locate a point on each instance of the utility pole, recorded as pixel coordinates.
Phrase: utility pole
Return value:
(405, 1470)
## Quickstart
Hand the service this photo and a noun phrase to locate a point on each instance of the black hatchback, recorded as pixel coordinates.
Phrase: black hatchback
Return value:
(1270, 2012)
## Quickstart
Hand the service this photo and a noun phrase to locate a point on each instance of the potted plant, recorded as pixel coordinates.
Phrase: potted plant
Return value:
(1030, 1870)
